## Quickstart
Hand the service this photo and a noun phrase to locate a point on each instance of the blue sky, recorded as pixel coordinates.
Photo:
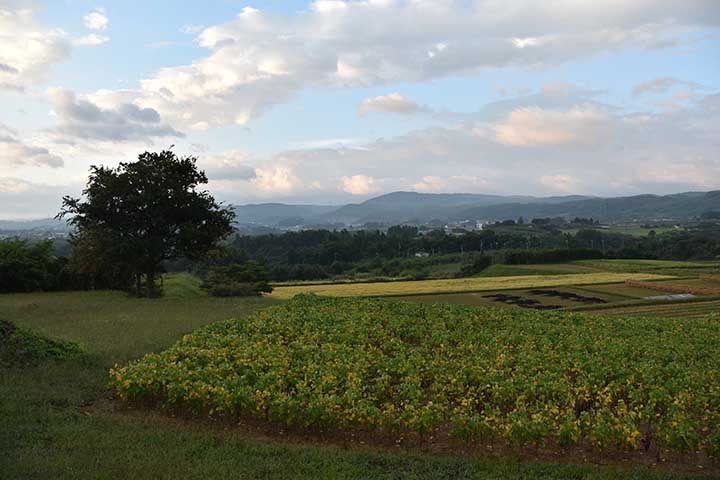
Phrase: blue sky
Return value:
(334, 101)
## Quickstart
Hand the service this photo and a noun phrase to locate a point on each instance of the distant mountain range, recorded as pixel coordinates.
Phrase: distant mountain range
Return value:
(413, 207)
(400, 207)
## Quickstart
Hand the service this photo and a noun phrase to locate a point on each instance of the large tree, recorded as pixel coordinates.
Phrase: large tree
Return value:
(148, 211)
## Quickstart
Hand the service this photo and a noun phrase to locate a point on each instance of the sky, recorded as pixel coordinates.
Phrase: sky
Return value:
(339, 101)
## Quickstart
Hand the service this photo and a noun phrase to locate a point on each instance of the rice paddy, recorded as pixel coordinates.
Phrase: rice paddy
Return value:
(459, 285)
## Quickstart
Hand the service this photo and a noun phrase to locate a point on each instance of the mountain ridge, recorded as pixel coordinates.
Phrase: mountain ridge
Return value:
(417, 207)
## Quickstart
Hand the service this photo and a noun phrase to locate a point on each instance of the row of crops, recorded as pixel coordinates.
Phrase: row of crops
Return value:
(523, 377)
(458, 285)
(682, 310)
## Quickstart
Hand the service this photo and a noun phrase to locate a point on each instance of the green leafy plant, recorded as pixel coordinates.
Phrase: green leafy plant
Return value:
(524, 377)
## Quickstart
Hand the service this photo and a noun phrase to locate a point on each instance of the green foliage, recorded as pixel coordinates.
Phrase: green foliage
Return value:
(523, 377)
(239, 280)
(20, 345)
(147, 211)
(26, 267)
(479, 264)
(182, 285)
(57, 424)
(550, 256)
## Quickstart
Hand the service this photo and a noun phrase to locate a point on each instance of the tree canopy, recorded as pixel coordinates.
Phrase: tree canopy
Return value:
(142, 213)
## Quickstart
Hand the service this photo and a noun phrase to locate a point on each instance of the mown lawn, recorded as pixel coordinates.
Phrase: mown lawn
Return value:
(58, 422)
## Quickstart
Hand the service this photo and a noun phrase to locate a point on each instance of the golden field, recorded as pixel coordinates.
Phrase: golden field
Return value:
(458, 285)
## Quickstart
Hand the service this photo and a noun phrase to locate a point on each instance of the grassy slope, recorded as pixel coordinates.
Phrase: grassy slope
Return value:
(57, 425)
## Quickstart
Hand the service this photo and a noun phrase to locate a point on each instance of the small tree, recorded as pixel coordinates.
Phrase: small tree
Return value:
(149, 211)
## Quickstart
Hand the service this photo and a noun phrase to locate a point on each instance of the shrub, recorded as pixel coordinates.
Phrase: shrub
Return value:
(478, 265)
(30, 267)
(239, 280)
(19, 345)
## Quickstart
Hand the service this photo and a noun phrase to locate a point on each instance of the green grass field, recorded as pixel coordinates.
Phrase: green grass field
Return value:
(58, 420)
(500, 270)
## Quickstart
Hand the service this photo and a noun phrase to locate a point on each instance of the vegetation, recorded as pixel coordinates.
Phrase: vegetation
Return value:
(478, 265)
(673, 287)
(58, 424)
(403, 252)
(683, 310)
(20, 345)
(550, 256)
(142, 213)
(458, 285)
(237, 280)
(641, 265)
(28, 267)
(522, 377)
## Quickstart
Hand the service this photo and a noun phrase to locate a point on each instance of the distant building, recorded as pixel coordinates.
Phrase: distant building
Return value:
(422, 254)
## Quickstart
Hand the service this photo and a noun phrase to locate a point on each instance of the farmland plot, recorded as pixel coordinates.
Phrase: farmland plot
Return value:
(458, 285)
(509, 375)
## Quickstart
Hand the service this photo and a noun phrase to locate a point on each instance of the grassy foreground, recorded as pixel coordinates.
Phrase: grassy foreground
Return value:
(57, 423)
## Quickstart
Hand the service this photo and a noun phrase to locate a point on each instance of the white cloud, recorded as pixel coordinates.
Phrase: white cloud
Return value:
(82, 118)
(232, 165)
(452, 183)
(358, 185)
(563, 183)
(261, 59)
(276, 180)
(532, 126)
(96, 20)
(91, 40)
(390, 103)
(22, 199)
(27, 49)
(656, 85)
(663, 84)
(581, 148)
(15, 153)
(13, 185)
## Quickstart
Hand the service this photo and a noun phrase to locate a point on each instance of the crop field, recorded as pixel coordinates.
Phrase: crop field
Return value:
(487, 299)
(682, 310)
(619, 291)
(458, 285)
(521, 377)
(632, 265)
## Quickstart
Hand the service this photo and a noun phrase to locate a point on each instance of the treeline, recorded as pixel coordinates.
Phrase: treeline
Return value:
(32, 267)
(322, 254)
(402, 251)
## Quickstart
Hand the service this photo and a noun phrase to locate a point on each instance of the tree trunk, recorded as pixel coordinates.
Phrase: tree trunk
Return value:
(138, 284)
(150, 282)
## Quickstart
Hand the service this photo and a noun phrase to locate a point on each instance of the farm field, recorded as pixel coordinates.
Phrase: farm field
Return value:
(633, 265)
(485, 299)
(680, 310)
(465, 374)
(58, 421)
(619, 290)
(459, 285)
